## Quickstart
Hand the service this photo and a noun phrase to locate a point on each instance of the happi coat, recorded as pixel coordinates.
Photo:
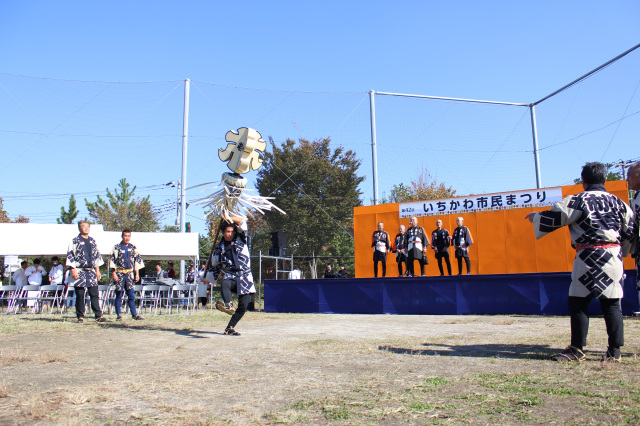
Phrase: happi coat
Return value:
(462, 238)
(121, 263)
(635, 206)
(85, 267)
(602, 227)
(233, 262)
(416, 241)
(380, 244)
(400, 243)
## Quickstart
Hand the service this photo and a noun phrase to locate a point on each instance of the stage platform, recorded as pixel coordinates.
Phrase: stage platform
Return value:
(526, 294)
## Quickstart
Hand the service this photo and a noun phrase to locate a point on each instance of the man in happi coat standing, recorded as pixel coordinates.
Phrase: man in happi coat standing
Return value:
(602, 228)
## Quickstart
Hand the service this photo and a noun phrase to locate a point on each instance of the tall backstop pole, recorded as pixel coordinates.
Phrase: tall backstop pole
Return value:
(183, 181)
(536, 151)
(374, 149)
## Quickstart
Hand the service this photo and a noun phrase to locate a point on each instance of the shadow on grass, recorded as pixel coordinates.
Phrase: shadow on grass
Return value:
(479, 351)
(195, 334)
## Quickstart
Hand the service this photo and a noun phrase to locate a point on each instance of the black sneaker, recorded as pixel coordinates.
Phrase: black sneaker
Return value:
(80, 320)
(119, 318)
(102, 319)
(138, 318)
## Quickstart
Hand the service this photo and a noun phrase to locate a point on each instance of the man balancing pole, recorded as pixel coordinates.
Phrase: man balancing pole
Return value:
(601, 226)
(231, 265)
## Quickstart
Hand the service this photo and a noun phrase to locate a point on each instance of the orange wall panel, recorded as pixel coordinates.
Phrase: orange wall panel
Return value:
(504, 241)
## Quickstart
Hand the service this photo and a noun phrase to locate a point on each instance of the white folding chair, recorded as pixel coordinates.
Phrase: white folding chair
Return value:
(164, 293)
(65, 299)
(26, 294)
(149, 296)
(182, 295)
(48, 294)
(104, 292)
(7, 296)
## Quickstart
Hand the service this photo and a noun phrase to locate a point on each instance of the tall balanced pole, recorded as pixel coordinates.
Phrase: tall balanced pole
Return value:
(183, 180)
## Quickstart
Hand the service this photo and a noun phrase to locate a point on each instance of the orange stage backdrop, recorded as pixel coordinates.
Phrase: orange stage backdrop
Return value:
(503, 241)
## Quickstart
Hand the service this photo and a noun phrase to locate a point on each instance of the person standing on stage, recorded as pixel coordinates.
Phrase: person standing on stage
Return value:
(400, 249)
(633, 180)
(85, 260)
(440, 242)
(602, 229)
(126, 262)
(416, 240)
(380, 244)
(462, 240)
(231, 262)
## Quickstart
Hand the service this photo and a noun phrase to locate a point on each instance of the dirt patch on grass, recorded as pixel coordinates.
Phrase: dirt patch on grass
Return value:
(351, 369)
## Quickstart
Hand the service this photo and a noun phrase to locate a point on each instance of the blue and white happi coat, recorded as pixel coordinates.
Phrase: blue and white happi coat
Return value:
(238, 269)
(85, 267)
(594, 217)
(117, 260)
(635, 206)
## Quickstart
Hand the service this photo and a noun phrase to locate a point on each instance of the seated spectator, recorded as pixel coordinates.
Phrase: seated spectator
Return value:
(170, 273)
(342, 273)
(329, 272)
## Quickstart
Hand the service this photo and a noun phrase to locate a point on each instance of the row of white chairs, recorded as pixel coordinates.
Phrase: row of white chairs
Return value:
(149, 298)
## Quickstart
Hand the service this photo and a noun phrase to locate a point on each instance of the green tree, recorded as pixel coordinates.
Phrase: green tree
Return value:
(423, 188)
(70, 215)
(122, 211)
(4, 216)
(611, 174)
(317, 187)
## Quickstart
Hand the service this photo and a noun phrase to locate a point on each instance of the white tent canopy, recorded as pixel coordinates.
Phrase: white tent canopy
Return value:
(37, 239)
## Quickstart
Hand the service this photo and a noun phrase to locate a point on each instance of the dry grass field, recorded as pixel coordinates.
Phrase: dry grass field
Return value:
(311, 369)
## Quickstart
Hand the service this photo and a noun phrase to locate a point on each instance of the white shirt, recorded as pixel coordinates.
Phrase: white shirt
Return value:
(295, 274)
(19, 278)
(35, 274)
(56, 274)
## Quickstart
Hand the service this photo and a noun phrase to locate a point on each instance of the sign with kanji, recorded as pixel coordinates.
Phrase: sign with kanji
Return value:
(541, 197)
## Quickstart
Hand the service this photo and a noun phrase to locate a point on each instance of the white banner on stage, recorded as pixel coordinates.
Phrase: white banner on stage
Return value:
(542, 197)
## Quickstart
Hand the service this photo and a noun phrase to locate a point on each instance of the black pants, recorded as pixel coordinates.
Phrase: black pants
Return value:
(578, 309)
(401, 260)
(94, 296)
(439, 256)
(411, 261)
(467, 261)
(243, 300)
(384, 267)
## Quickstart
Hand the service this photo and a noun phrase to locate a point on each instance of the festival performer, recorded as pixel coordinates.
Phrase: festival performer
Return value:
(380, 244)
(85, 260)
(602, 229)
(440, 242)
(231, 204)
(400, 249)
(125, 260)
(232, 268)
(462, 240)
(416, 247)
(633, 180)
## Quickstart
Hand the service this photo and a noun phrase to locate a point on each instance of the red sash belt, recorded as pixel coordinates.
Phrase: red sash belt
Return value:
(596, 246)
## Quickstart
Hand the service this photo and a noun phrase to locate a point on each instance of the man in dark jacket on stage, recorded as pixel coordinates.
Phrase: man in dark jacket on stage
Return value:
(462, 240)
(416, 241)
(440, 242)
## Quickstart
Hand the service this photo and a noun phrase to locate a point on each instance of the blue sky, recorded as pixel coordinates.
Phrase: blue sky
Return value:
(498, 50)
